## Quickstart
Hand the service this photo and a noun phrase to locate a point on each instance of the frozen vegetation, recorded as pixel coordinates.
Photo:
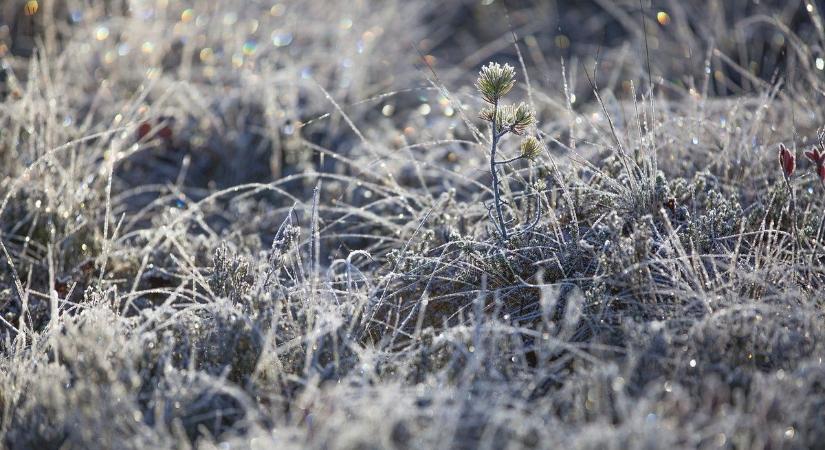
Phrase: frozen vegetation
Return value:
(274, 224)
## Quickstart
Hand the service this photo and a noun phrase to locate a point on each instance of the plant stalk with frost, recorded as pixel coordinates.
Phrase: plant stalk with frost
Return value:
(787, 162)
(494, 82)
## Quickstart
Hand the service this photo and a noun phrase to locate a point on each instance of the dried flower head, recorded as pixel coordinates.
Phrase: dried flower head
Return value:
(495, 81)
(787, 160)
(530, 148)
(817, 157)
(517, 117)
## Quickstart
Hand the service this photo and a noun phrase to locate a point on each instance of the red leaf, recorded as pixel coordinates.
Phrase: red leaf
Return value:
(143, 130)
(166, 133)
(787, 160)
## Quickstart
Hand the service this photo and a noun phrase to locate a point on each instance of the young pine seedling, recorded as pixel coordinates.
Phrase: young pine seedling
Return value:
(494, 82)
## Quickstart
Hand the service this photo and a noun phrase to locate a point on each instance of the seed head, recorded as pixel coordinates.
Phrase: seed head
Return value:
(495, 81)
(530, 148)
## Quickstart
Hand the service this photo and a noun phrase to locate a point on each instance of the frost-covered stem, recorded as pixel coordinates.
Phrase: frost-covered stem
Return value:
(538, 214)
(508, 161)
(792, 214)
(818, 233)
(816, 241)
(494, 171)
